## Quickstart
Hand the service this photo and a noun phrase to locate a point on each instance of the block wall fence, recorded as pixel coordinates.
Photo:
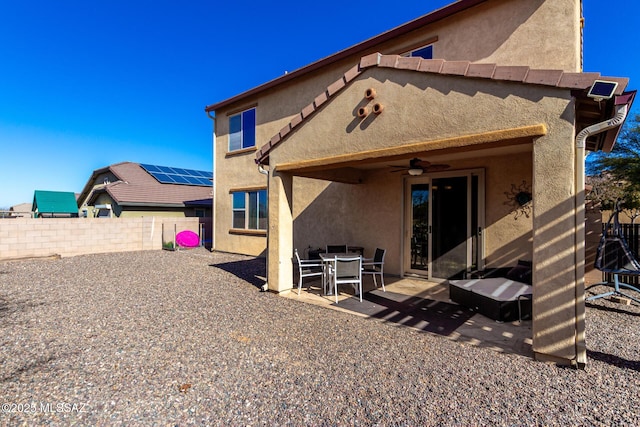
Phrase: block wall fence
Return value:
(43, 237)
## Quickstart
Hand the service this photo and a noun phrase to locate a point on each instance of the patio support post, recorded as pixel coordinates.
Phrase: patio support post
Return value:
(280, 235)
(556, 243)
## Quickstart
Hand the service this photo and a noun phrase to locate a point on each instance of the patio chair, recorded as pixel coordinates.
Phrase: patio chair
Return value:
(346, 270)
(375, 266)
(308, 268)
(336, 249)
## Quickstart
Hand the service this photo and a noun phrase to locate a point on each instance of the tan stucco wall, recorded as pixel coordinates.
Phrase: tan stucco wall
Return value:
(417, 109)
(238, 170)
(541, 34)
(537, 33)
(558, 264)
(371, 214)
(329, 213)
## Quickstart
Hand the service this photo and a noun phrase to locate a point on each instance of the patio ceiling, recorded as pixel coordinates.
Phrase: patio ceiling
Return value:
(352, 168)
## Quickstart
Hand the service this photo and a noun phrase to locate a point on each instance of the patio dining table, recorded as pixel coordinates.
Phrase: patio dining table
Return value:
(327, 259)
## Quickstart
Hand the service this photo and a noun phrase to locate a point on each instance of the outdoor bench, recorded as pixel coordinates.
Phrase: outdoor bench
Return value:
(502, 294)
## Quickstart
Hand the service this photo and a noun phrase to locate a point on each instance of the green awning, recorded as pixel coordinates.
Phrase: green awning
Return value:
(47, 203)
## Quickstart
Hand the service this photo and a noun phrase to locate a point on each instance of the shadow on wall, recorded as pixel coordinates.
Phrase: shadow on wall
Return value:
(508, 254)
(371, 215)
(327, 218)
(366, 215)
(554, 310)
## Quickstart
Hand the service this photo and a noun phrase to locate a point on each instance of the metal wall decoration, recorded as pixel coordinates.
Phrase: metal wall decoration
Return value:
(519, 199)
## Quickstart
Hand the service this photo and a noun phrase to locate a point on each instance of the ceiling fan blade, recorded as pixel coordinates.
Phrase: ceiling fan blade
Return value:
(439, 167)
(421, 164)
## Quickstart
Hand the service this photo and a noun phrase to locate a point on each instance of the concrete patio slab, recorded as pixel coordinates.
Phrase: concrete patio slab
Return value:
(404, 296)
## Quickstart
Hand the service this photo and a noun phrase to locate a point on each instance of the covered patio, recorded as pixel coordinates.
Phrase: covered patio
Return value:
(510, 153)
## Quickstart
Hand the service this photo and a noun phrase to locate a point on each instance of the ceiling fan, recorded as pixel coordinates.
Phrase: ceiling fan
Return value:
(418, 167)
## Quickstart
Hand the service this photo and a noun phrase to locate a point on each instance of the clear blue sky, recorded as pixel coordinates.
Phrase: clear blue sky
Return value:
(85, 84)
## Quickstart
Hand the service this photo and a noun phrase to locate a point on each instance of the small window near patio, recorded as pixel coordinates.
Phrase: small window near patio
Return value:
(250, 210)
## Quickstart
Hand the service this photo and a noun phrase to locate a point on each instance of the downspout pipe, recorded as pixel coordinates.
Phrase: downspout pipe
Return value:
(265, 286)
(581, 138)
(213, 189)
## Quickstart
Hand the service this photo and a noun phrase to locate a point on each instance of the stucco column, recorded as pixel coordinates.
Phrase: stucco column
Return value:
(279, 265)
(558, 326)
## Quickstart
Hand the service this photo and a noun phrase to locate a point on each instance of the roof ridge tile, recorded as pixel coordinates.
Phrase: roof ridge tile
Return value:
(481, 70)
(389, 61)
(458, 68)
(408, 63)
(544, 77)
(430, 65)
(515, 73)
(370, 60)
(578, 80)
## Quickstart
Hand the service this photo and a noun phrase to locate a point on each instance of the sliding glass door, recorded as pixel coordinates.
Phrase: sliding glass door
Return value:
(444, 222)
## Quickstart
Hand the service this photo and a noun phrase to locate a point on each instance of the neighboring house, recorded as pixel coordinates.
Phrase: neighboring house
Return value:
(22, 210)
(132, 190)
(491, 93)
(54, 204)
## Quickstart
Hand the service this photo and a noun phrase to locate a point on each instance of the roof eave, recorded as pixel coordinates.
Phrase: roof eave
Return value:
(153, 205)
(611, 136)
(360, 48)
(90, 185)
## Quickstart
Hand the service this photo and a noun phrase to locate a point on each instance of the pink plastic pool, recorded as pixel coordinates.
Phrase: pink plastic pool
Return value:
(187, 239)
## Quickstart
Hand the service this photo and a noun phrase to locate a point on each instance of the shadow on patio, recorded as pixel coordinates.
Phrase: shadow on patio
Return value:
(409, 302)
(424, 306)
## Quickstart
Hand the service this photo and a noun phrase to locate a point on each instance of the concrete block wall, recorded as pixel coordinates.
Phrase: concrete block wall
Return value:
(42, 237)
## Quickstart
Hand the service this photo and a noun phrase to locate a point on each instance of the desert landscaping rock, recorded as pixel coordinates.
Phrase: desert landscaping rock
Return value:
(187, 338)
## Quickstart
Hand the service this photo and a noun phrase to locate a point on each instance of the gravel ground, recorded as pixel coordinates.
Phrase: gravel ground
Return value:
(112, 339)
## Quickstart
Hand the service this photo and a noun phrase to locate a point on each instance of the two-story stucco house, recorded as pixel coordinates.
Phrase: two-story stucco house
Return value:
(489, 95)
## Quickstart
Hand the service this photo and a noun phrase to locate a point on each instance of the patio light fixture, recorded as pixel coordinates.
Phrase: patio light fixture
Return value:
(415, 171)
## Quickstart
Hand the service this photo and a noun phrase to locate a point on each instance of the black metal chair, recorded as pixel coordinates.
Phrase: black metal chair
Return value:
(336, 249)
(375, 266)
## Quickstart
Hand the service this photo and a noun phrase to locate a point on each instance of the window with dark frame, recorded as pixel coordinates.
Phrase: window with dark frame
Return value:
(425, 52)
(249, 210)
(242, 130)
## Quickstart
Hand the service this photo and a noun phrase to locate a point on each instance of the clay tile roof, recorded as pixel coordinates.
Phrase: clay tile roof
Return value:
(521, 74)
(137, 187)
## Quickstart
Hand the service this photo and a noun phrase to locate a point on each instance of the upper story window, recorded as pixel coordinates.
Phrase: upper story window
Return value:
(425, 52)
(242, 130)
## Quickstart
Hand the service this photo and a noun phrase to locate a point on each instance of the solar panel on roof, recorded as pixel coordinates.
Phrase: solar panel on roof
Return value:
(602, 89)
(181, 179)
(169, 175)
(203, 181)
(163, 177)
(150, 168)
